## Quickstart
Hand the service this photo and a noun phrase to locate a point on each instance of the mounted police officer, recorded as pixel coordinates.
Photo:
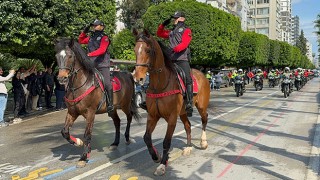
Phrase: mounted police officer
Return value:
(179, 39)
(98, 44)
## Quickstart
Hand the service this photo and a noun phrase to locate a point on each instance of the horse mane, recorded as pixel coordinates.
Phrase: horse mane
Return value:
(84, 60)
(167, 56)
(80, 54)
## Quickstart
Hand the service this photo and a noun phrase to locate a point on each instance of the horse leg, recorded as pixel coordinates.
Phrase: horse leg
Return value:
(87, 136)
(151, 124)
(65, 131)
(127, 133)
(204, 119)
(116, 122)
(187, 126)
(161, 169)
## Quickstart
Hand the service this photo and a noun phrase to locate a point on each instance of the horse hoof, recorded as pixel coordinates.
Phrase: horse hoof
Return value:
(81, 164)
(160, 171)
(204, 144)
(158, 158)
(79, 142)
(113, 147)
(187, 151)
(130, 141)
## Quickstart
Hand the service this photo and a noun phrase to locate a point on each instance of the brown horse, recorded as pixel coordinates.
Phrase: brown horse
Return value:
(163, 97)
(85, 97)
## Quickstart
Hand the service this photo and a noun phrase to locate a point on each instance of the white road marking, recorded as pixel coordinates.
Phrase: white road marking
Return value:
(1, 144)
(104, 166)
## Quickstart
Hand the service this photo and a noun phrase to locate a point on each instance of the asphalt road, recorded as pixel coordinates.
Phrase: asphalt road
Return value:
(261, 135)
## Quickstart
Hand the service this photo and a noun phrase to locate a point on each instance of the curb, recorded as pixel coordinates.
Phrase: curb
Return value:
(314, 161)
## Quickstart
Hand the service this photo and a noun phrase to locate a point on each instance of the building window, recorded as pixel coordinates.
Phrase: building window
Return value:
(262, 1)
(250, 2)
(262, 21)
(252, 12)
(251, 22)
(262, 11)
(263, 31)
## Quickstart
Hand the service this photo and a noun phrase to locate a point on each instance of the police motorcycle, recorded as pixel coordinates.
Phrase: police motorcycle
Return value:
(285, 86)
(272, 81)
(298, 80)
(239, 85)
(258, 84)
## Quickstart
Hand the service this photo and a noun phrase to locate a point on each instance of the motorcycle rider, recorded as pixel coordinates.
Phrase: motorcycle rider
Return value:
(242, 75)
(260, 74)
(287, 74)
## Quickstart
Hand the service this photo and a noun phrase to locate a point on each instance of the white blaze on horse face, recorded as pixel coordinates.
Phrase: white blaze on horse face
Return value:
(63, 53)
(140, 49)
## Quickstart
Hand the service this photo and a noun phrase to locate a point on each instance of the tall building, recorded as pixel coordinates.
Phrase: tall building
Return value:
(264, 18)
(285, 20)
(295, 29)
(309, 51)
(316, 61)
(238, 8)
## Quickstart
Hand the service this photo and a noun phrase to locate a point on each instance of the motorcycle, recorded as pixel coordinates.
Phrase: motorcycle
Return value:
(286, 86)
(272, 81)
(258, 83)
(239, 85)
(297, 82)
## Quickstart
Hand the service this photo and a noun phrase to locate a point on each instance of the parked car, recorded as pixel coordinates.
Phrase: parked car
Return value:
(140, 91)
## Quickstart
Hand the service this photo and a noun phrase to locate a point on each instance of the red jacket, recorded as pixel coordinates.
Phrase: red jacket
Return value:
(186, 38)
(84, 39)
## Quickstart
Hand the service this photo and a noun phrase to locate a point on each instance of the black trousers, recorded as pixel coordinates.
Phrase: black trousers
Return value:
(19, 104)
(186, 68)
(47, 96)
(105, 71)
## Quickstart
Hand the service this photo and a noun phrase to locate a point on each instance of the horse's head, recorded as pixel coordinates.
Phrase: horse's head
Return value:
(144, 54)
(65, 58)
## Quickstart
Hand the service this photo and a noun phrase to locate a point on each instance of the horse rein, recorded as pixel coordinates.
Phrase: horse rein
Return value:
(71, 74)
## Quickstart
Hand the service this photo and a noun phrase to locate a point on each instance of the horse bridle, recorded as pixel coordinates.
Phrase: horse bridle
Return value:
(148, 65)
(71, 73)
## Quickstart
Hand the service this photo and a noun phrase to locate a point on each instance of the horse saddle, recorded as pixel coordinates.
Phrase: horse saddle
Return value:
(182, 80)
(116, 84)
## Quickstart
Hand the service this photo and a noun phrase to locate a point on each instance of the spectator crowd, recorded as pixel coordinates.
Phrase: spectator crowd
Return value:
(28, 88)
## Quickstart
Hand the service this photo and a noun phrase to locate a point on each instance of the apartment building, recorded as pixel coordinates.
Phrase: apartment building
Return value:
(295, 29)
(309, 51)
(286, 24)
(264, 18)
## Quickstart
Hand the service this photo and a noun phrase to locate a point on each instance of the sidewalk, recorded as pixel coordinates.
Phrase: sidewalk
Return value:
(9, 116)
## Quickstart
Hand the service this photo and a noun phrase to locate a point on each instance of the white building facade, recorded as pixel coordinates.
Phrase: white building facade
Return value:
(309, 51)
(265, 18)
(286, 24)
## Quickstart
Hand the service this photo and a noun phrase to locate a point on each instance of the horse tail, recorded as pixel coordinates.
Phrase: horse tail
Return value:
(134, 108)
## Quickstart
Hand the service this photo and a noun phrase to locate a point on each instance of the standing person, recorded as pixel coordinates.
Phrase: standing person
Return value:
(49, 83)
(179, 40)
(218, 81)
(40, 83)
(60, 93)
(19, 96)
(4, 95)
(34, 89)
(209, 77)
(98, 44)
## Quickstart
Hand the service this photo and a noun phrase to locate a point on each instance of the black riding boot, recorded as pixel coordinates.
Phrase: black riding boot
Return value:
(143, 105)
(189, 94)
(109, 95)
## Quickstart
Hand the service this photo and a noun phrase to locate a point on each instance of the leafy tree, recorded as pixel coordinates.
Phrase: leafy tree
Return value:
(302, 43)
(286, 54)
(215, 38)
(317, 26)
(253, 50)
(7, 62)
(123, 45)
(28, 27)
(274, 54)
(132, 11)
